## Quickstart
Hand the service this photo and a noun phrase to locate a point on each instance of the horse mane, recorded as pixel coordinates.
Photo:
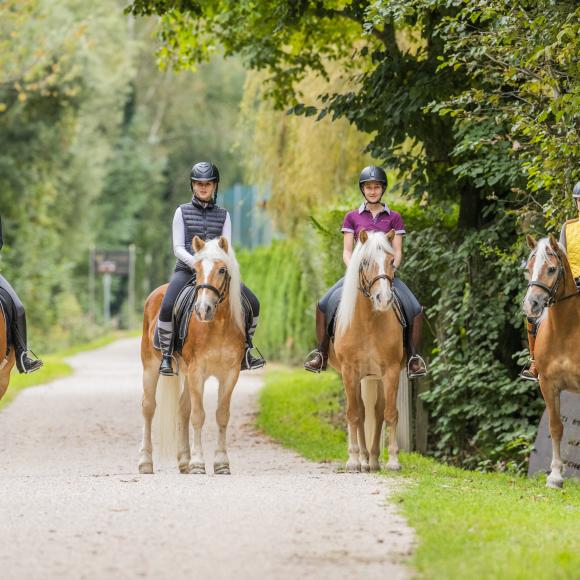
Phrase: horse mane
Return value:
(212, 251)
(375, 246)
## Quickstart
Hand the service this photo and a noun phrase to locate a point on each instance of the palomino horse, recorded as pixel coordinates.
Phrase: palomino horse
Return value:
(6, 362)
(214, 347)
(368, 344)
(552, 294)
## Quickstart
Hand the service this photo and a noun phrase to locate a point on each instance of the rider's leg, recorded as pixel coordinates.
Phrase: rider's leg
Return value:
(414, 314)
(250, 361)
(531, 372)
(416, 365)
(319, 361)
(178, 280)
(24, 363)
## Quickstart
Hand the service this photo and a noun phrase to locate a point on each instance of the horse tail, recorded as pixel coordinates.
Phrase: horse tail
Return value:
(369, 393)
(168, 390)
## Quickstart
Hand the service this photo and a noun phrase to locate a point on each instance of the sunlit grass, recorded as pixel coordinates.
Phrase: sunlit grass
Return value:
(469, 524)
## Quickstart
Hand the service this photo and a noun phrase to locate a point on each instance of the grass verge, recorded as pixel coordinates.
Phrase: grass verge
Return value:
(55, 366)
(469, 524)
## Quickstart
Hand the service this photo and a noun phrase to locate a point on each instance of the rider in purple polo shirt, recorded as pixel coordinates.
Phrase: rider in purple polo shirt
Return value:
(372, 215)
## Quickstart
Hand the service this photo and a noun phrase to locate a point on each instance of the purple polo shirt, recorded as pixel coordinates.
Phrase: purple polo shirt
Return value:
(362, 219)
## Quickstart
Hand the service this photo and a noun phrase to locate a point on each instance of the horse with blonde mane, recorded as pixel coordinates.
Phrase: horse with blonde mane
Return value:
(553, 296)
(368, 351)
(214, 347)
(6, 361)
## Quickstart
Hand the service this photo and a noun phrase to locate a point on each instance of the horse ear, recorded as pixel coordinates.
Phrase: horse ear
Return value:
(554, 243)
(531, 242)
(363, 236)
(391, 235)
(197, 244)
(223, 244)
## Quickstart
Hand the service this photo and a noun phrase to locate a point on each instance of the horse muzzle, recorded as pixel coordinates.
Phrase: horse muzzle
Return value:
(533, 304)
(204, 311)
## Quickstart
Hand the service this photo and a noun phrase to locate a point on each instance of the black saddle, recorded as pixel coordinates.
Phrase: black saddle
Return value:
(182, 312)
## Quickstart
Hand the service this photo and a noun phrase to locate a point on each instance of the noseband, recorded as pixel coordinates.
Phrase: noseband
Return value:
(365, 285)
(221, 291)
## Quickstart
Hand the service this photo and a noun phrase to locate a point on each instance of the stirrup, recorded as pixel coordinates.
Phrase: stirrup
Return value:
(526, 375)
(311, 354)
(414, 375)
(249, 363)
(36, 362)
(173, 373)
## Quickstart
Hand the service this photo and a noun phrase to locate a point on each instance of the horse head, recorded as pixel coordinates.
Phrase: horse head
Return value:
(376, 268)
(546, 269)
(213, 276)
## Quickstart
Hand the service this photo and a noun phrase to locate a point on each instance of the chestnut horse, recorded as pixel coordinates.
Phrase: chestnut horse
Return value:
(214, 347)
(552, 295)
(368, 345)
(6, 362)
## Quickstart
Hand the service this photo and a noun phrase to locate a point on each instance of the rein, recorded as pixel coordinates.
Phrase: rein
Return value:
(365, 284)
(551, 291)
(221, 291)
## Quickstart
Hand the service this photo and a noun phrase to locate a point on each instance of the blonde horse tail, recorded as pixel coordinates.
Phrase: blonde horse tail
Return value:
(168, 390)
(369, 393)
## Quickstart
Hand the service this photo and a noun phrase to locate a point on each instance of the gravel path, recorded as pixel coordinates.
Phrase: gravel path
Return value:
(72, 504)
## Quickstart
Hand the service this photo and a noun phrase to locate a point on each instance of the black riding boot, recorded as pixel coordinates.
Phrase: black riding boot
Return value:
(319, 359)
(165, 330)
(416, 366)
(24, 363)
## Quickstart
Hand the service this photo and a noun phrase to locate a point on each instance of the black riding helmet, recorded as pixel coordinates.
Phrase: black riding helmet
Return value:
(372, 173)
(205, 171)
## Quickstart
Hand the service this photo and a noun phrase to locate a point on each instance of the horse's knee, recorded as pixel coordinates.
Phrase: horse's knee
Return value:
(391, 416)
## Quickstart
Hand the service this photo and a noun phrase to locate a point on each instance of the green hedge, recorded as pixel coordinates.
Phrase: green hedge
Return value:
(279, 276)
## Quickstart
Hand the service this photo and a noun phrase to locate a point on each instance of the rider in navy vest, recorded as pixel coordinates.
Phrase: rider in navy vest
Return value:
(24, 363)
(201, 217)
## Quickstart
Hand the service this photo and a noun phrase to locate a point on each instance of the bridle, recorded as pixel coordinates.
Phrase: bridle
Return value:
(551, 291)
(221, 291)
(365, 285)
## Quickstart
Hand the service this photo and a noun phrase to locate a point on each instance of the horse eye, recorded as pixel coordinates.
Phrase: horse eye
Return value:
(222, 271)
(552, 270)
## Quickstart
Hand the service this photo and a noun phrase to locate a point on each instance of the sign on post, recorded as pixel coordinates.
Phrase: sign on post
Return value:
(541, 456)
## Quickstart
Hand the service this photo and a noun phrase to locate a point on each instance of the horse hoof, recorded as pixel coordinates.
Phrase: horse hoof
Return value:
(374, 467)
(394, 466)
(184, 468)
(146, 468)
(555, 483)
(353, 467)
(197, 469)
(365, 468)
(221, 469)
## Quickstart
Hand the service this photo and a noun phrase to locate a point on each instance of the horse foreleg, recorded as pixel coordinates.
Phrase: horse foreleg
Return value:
(375, 450)
(196, 385)
(391, 386)
(221, 464)
(150, 378)
(183, 449)
(353, 416)
(552, 400)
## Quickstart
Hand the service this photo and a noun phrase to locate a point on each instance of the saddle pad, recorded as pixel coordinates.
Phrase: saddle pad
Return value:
(6, 307)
